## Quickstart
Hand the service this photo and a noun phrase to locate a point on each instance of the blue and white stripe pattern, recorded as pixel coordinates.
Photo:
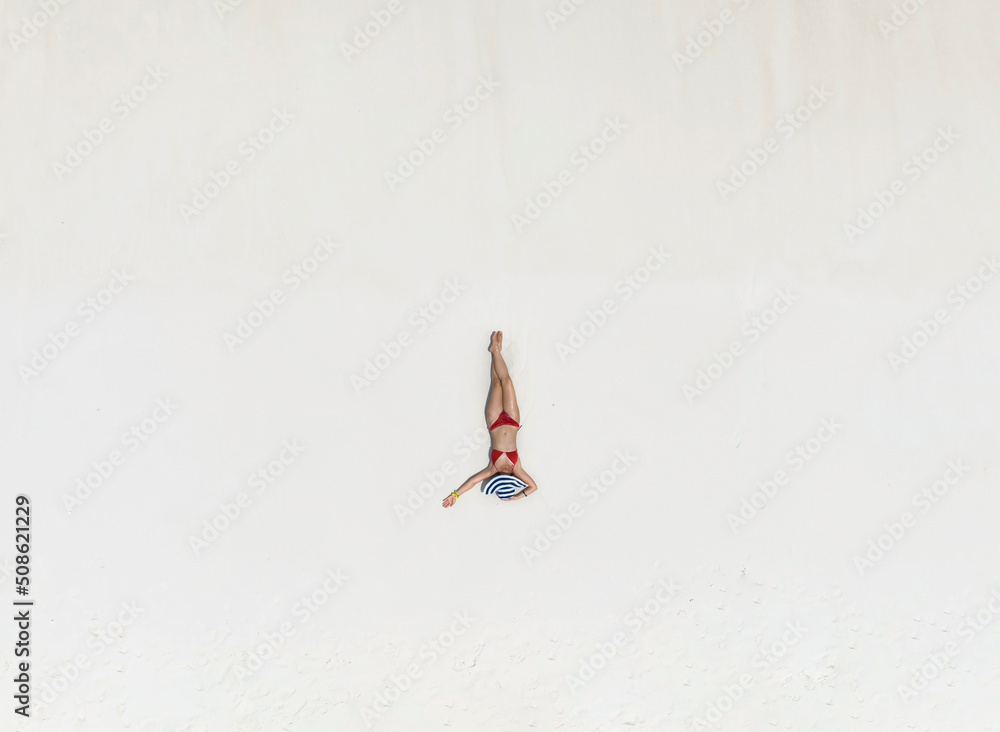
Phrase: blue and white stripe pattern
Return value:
(504, 486)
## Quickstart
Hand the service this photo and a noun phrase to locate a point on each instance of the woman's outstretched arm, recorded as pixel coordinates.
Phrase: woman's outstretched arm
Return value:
(523, 475)
(481, 475)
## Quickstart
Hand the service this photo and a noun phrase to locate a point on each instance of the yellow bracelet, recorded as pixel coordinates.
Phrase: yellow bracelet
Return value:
(455, 493)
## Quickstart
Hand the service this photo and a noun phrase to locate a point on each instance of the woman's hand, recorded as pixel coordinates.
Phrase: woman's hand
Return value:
(452, 497)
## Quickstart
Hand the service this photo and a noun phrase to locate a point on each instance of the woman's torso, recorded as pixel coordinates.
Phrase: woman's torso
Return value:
(504, 438)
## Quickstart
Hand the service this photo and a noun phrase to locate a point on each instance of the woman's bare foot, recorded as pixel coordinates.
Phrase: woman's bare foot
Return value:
(494, 342)
(499, 340)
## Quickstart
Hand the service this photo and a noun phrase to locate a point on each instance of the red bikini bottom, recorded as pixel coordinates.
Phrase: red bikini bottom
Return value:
(503, 419)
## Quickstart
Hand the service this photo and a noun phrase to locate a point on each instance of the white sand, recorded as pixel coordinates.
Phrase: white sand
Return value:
(764, 625)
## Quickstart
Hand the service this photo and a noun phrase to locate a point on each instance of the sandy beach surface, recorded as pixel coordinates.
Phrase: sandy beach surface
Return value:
(745, 258)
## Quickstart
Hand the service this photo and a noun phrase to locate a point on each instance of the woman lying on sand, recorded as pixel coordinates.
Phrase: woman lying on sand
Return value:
(505, 475)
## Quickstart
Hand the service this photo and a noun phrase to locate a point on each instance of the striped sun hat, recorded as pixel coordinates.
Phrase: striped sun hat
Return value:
(503, 485)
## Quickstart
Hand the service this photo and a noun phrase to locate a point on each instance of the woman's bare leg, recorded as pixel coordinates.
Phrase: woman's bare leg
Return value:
(494, 402)
(500, 368)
